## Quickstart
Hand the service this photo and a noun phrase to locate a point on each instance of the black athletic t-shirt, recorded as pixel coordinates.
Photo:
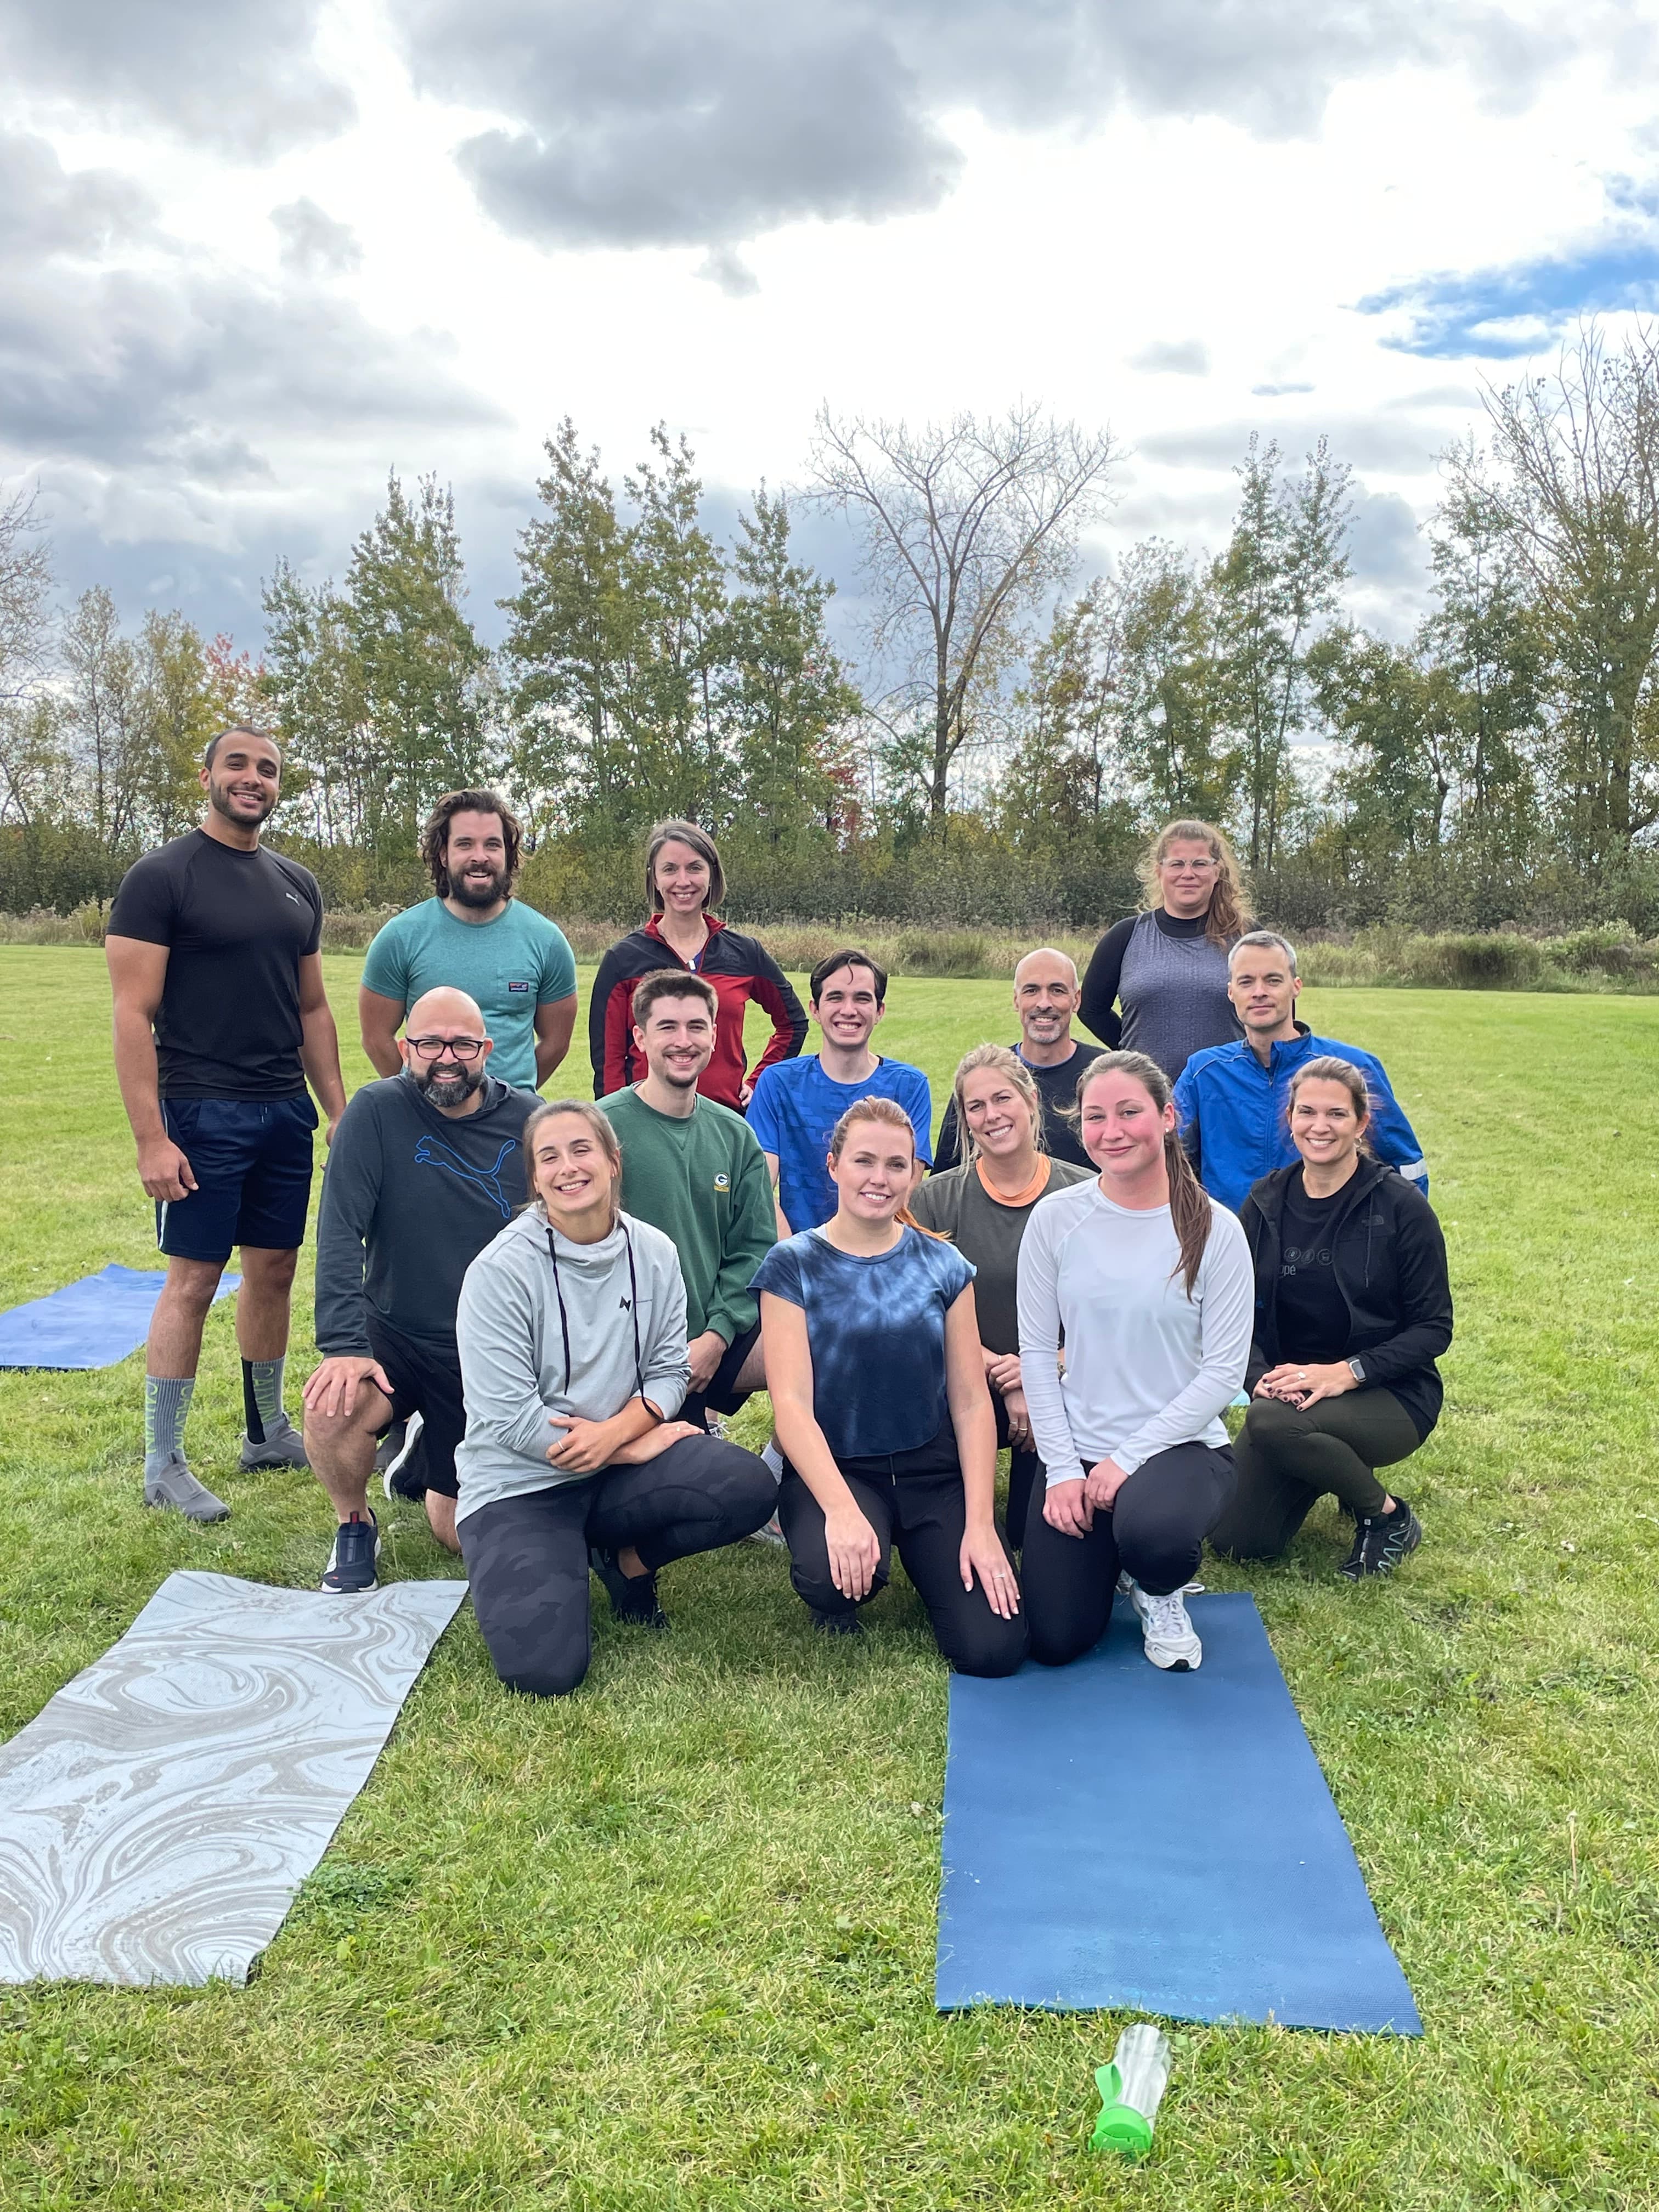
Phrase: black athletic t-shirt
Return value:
(1313, 1315)
(236, 926)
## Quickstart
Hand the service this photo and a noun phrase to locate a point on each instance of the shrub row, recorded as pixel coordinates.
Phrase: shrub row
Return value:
(1606, 957)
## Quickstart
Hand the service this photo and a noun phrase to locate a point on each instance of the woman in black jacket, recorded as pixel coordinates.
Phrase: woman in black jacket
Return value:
(1352, 1308)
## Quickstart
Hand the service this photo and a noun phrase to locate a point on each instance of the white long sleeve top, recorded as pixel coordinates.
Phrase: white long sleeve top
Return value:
(1147, 1367)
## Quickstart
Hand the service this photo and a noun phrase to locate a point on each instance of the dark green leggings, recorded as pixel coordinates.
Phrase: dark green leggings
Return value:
(1287, 1459)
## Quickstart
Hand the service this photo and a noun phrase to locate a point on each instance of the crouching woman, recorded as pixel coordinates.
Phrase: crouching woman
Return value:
(877, 1383)
(1352, 1308)
(571, 1337)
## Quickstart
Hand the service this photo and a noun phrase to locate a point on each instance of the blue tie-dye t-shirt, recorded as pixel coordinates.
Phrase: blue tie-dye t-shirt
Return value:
(876, 1328)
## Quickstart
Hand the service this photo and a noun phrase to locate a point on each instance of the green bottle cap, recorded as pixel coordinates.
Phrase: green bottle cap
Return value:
(1122, 2129)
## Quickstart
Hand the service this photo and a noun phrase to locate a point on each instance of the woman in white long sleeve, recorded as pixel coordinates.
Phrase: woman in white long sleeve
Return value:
(1150, 1283)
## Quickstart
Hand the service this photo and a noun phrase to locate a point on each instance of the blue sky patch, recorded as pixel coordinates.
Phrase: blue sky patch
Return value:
(1494, 314)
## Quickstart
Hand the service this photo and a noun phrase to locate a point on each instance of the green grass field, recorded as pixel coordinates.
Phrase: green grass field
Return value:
(670, 1944)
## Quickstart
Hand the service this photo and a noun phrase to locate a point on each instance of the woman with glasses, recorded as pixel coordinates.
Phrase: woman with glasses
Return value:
(572, 1336)
(1158, 982)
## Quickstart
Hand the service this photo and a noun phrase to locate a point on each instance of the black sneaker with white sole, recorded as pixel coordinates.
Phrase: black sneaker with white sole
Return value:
(350, 1567)
(1381, 1540)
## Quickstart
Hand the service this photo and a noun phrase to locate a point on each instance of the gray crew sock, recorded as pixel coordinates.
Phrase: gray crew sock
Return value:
(167, 1404)
(262, 1397)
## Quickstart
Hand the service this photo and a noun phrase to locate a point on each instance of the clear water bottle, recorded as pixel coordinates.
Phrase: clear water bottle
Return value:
(1131, 2090)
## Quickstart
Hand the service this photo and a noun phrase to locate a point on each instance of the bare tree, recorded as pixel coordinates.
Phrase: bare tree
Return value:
(967, 527)
(1575, 489)
(26, 732)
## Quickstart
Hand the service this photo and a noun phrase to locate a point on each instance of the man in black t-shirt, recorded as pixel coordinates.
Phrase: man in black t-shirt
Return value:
(1046, 999)
(221, 1020)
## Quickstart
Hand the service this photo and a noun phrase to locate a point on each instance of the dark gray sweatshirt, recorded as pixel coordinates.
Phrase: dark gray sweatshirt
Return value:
(410, 1197)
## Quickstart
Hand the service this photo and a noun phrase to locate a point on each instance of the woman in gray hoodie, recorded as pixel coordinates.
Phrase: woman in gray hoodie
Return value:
(572, 1334)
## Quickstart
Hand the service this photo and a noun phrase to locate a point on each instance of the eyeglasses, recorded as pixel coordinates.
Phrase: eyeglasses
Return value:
(1181, 868)
(462, 1048)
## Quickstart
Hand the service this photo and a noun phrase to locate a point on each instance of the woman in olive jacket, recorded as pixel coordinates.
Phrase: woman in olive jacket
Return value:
(1352, 1309)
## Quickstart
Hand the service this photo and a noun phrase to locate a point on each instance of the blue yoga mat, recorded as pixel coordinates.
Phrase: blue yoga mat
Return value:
(1116, 1837)
(92, 1323)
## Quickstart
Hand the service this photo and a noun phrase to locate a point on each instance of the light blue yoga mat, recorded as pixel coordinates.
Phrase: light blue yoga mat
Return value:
(1117, 1837)
(95, 1322)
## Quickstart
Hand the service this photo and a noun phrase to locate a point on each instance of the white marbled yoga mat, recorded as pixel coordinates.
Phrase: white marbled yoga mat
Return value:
(157, 1817)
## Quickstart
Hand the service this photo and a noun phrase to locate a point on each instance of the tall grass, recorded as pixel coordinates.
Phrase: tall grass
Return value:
(1605, 956)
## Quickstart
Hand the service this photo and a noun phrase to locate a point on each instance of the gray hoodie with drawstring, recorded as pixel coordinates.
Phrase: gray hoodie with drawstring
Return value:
(547, 1326)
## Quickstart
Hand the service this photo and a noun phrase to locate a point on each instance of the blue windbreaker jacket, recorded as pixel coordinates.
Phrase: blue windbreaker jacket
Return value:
(1234, 1113)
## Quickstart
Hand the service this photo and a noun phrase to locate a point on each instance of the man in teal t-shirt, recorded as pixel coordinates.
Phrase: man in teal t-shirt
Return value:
(474, 937)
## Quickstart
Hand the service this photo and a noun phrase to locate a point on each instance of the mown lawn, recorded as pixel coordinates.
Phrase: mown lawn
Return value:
(671, 1944)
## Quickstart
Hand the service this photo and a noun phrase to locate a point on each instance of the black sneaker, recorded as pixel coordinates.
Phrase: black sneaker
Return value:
(1380, 1541)
(837, 1624)
(350, 1566)
(633, 1597)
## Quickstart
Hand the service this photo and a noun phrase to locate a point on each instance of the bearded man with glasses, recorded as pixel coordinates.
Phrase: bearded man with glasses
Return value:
(427, 1166)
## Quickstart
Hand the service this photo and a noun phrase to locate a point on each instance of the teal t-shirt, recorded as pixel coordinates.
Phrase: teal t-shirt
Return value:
(511, 966)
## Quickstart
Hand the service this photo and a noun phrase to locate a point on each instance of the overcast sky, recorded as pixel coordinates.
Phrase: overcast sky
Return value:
(255, 252)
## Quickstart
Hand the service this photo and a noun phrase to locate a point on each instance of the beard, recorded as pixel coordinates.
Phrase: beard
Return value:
(472, 893)
(447, 1086)
(219, 801)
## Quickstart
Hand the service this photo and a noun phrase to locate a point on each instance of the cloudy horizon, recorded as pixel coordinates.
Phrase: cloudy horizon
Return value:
(253, 256)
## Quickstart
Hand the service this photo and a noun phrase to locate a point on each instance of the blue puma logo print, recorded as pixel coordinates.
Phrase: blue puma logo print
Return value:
(433, 1152)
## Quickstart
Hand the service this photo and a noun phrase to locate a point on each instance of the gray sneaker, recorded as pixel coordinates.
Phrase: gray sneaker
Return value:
(283, 1447)
(175, 1489)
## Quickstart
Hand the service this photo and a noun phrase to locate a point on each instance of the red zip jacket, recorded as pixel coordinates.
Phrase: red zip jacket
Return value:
(738, 967)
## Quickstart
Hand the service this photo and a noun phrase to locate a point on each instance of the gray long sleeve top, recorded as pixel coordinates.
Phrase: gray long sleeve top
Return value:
(1147, 1367)
(552, 1330)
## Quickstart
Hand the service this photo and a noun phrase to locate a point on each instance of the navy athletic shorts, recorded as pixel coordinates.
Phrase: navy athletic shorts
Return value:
(252, 1161)
(426, 1380)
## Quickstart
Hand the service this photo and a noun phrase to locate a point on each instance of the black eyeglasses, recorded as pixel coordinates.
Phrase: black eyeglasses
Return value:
(462, 1048)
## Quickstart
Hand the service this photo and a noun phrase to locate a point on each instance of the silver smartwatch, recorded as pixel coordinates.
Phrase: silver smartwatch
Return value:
(1357, 1369)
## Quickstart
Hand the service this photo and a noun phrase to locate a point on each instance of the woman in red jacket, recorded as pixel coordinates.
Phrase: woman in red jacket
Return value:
(683, 879)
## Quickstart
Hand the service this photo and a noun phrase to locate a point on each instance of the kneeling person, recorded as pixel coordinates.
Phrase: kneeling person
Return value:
(572, 1335)
(877, 1383)
(693, 1169)
(1352, 1308)
(425, 1168)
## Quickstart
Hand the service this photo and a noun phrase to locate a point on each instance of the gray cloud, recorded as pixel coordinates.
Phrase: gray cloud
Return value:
(167, 373)
(676, 122)
(1393, 446)
(1173, 357)
(724, 266)
(238, 74)
(314, 243)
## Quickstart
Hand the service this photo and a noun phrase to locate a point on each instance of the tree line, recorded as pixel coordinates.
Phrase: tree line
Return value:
(994, 746)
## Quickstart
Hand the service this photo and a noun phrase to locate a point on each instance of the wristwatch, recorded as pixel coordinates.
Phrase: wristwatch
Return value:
(1357, 1369)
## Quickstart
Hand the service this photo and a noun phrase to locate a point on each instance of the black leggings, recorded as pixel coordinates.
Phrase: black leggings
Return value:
(1288, 1458)
(1155, 1531)
(526, 1556)
(1024, 1473)
(913, 1501)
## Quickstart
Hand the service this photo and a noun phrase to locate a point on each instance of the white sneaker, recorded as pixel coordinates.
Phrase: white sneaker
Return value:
(1167, 1636)
(412, 1428)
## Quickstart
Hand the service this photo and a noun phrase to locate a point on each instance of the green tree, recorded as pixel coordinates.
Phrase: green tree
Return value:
(420, 667)
(573, 649)
(1175, 738)
(311, 685)
(784, 701)
(1278, 580)
(1573, 487)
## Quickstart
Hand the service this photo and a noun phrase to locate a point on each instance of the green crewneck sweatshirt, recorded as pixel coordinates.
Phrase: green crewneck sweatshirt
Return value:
(703, 1182)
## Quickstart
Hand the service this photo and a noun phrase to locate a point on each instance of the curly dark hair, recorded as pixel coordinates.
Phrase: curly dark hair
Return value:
(435, 838)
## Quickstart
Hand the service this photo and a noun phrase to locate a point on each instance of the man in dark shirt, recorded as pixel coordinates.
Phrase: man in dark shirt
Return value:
(427, 1168)
(221, 1020)
(1046, 999)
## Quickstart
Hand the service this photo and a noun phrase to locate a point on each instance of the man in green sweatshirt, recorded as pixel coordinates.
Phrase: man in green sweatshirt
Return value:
(694, 1169)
